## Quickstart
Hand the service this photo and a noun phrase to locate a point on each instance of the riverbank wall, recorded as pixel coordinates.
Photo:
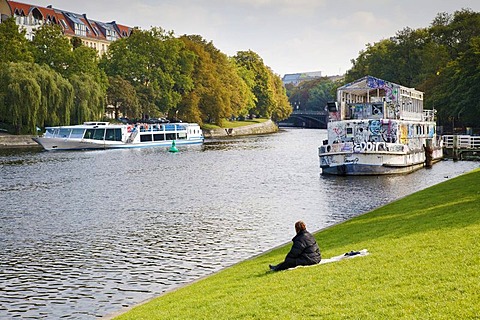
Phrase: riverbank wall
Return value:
(13, 141)
(258, 128)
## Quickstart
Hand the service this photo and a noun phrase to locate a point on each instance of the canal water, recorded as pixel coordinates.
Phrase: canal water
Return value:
(85, 234)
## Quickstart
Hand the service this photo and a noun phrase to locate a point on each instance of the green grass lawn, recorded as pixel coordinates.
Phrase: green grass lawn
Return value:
(233, 124)
(424, 263)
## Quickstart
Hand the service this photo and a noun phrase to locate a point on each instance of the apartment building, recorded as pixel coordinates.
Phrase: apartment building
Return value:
(94, 34)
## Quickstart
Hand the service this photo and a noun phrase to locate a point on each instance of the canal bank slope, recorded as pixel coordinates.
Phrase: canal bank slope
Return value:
(423, 264)
(258, 128)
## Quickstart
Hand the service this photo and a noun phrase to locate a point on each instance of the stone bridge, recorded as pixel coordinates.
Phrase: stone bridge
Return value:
(306, 119)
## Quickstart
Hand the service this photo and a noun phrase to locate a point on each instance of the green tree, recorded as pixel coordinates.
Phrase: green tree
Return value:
(52, 48)
(20, 96)
(33, 95)
(14, 46)
(122, 95)
(262, 89)
(281, 109)
(156, 64)
(56, 97)
(89, 100)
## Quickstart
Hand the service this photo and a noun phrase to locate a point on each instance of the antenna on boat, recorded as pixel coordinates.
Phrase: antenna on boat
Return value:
(173, 148)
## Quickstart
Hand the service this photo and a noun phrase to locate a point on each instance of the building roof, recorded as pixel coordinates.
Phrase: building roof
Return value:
(67, 20)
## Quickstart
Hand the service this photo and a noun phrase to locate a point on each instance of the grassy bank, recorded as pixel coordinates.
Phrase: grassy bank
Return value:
(424, 264)
(233, 124)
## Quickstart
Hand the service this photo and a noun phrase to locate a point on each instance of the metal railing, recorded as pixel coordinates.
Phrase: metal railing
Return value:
(461, 141)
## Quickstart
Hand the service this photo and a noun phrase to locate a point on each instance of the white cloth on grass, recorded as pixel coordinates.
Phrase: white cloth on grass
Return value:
(348, 255)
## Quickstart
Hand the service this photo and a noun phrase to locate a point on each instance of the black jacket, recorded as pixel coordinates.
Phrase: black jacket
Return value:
(305, 250)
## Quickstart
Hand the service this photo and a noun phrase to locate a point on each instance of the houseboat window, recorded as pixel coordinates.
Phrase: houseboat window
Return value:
(77, 133)
(64, 133)
(158, 137)
(170, 136)
(113, 134)
(182, 135)
(145, 137)
(99, 134)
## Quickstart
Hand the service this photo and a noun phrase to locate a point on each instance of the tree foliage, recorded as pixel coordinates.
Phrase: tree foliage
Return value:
(270, 98)
(14, 47)
(219, 92)
(32, 96)
(156, 65)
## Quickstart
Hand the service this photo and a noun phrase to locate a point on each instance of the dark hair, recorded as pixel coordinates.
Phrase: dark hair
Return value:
(300, 226)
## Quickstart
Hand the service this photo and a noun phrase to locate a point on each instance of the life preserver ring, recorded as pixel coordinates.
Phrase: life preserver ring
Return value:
(129, 128)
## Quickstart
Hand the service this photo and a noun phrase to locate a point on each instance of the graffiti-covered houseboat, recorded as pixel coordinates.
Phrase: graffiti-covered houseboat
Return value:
(378, 127)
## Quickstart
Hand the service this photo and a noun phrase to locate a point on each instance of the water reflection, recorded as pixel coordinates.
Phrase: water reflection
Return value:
(83, 234)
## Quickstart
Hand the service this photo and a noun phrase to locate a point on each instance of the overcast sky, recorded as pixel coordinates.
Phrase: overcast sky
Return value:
(290, 35)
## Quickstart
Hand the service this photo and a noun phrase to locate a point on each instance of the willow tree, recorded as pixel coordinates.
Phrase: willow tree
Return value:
(56, 100)
(20, 97)
(32, 96)
(89, 100)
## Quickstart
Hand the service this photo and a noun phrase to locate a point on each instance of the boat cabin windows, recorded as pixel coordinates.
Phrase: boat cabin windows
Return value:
(171, 136)
(158, 137)
(182, 135)
(95, 134)
(64, 133)
(145, 138)
(113, 134)
(77, 133)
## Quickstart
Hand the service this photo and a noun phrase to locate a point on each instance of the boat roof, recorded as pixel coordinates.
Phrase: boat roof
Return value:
(368, 83)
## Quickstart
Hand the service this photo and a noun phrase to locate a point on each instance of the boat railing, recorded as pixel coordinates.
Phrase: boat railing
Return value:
(461, 141)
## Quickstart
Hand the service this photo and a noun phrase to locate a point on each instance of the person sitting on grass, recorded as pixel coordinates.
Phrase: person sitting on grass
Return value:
(304, 251)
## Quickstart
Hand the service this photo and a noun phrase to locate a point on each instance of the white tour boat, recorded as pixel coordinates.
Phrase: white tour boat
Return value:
(103, 135)
(378, 127)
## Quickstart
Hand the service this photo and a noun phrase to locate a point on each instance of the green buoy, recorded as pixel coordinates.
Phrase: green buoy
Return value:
(173, 148)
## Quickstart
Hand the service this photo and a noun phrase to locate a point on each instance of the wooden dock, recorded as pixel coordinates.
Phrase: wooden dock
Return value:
(461, 147)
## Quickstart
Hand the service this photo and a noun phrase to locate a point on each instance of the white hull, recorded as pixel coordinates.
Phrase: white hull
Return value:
(51, 144)
(374, 163)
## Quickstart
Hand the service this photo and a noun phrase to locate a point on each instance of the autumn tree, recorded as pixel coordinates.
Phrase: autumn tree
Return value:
(219, 92)
(263, 85)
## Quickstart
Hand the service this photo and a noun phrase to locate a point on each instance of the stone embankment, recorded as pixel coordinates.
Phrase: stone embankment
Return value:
(259, 128)
(11, 141)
